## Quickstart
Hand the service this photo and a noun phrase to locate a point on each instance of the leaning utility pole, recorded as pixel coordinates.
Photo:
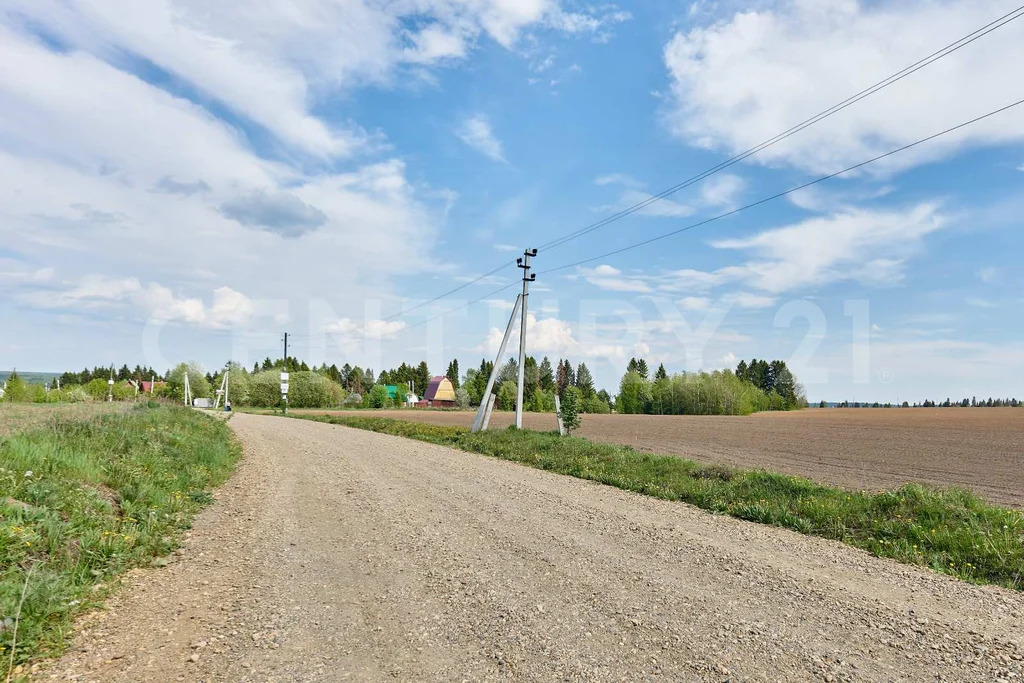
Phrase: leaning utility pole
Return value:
(483, 413)
(284, 378)
(523, 263)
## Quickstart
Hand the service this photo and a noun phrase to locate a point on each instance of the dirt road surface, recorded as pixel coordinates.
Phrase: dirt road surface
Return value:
(336, 554)
(981, 449)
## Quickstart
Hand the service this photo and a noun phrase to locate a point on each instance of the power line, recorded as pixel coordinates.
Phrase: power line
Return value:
(784, 193)
(867, 92)
(880, 85)
(449, 292)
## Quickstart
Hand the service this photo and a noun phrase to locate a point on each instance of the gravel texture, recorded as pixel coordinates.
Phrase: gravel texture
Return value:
(337, 554)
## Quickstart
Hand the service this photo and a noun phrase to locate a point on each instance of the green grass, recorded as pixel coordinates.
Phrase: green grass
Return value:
(83, 500)
(949, 530)
(17, 417)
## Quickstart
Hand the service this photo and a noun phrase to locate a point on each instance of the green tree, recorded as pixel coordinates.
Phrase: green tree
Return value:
(547, 375)
(196, 381)
(572, 403)
(660, 372)
(641, 368)
(634, 394)
(422, 378)
(506, 396)
(531, 380)
(16, 390)
(378, 396)
(453, 373)
(585, 381)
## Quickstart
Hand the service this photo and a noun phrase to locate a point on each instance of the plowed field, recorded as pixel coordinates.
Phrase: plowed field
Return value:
(981, 448)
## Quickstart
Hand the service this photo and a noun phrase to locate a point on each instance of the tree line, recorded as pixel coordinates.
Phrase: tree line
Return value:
(755, 386)
(973, 402)
(542, 381)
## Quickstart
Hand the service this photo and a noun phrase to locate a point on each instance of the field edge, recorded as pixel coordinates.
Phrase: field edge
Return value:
(948, 530)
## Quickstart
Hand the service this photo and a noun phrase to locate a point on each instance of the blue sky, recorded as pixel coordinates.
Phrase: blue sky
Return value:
(186, 181)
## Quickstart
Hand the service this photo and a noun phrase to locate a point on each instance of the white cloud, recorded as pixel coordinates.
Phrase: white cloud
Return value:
(618, 179)
(611, 279)
(434, 43)
(868, 246)
(476, 132)
(722, 190)
(748, 77)
(718, 192)
(371, 329)
(228, 308)
(269, 63)
(978, 302)
(12, 271)
(855, 244)
(748, 300)
(988, 275)
(694, 303)
(662, 208)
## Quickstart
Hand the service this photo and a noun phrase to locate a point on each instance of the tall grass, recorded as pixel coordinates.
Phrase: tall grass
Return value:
(81, 501)
(949, 530)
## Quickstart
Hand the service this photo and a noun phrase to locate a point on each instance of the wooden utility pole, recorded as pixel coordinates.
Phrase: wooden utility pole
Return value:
(523, 263)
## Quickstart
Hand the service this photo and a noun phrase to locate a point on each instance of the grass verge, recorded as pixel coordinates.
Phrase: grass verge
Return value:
(82, 501)
(949, 530)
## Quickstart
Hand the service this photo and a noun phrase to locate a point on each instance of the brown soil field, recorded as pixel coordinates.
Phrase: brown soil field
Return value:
(980, 449)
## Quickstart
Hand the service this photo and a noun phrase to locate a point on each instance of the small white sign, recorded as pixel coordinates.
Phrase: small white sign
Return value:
(284, 387)
(284, 376)
(110, 381)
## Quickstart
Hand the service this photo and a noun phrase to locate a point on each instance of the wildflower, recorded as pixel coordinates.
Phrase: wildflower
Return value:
(28, 475)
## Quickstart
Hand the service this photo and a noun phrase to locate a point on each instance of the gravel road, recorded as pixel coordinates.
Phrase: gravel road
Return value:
(336, 554)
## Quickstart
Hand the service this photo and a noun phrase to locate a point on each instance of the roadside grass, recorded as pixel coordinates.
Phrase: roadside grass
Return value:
(949, 530)
(16, 417)
(84, 500)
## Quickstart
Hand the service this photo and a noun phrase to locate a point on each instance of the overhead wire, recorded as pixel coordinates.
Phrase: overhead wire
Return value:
(853, 99)
(639, 206)
(783, 193)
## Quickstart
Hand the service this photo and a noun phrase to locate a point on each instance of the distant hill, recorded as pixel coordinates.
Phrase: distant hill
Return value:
(30, 377)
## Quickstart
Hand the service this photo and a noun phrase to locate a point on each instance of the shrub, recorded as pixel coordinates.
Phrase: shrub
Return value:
(506, 396)
(571, 402)
(309, 389)
(16, 389)
(461, 398)
(378, 396)
(265, 389)
(596, 405)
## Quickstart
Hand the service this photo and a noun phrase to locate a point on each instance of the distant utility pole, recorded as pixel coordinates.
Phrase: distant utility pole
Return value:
(110, 386)
(523, 263)
(284, 378)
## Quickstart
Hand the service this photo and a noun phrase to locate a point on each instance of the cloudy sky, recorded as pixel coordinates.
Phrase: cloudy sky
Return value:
(188, 180)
